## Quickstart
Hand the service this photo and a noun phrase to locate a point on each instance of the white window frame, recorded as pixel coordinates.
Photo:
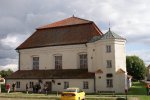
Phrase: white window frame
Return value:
(109, 83)
(108, 48)
(66, 85)
(83, 61)
(35, 62)
(18, 84)
(31, 84)
(58, 62)
(85, 85)
(109, 63)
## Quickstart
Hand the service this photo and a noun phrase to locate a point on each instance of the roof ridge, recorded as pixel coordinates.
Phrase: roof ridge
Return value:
(82, 19)
(66, 22)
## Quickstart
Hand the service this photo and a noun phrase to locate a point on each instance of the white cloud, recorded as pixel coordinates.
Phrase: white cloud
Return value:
(9, 41)
(128, 18)
(13, 67)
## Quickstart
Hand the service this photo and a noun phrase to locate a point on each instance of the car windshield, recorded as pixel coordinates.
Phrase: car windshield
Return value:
(70, 90)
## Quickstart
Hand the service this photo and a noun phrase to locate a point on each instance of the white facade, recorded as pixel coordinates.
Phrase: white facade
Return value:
(97, 59)
(56, 87)
(97, 51)
(70, 56)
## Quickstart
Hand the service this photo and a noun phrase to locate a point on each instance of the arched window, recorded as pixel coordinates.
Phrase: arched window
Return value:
(35, 60)
(83, 61)
(58, 61)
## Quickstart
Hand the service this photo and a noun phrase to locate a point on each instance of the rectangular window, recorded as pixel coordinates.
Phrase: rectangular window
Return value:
(58, 62)
(17, 84)
(85, 85)
(35, 63)
(109, 83)
(31, 84)
(109, 63)
(83, 61)
(108, 48)
(66, 85)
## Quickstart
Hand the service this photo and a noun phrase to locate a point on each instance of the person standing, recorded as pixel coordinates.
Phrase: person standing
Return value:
(13, 87)
(45, 89)
(34, 88)
(27, 88)
(8, 88)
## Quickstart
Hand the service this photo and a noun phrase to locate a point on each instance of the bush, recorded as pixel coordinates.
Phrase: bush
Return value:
(3, 88)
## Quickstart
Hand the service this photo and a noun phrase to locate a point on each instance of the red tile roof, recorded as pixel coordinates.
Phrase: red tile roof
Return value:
(66, 22)
(66, 32)
(52, 74)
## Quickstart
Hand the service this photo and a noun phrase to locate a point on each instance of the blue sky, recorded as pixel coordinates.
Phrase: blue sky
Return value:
(20, 18)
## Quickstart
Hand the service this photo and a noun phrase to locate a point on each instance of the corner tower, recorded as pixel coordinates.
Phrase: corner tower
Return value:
(107, 58)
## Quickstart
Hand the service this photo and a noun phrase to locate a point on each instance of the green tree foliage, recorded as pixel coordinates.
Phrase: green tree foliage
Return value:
(136, 67)
(5, 73)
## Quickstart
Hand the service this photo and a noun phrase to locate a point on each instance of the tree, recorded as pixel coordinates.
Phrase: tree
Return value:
(136, 67)
(5, 73)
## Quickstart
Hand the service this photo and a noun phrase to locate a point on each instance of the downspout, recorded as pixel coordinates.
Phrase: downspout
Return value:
(18, 59)
(94, 84)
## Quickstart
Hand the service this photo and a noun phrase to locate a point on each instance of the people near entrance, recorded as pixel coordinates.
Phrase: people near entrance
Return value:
(46, 89)
(8, 88)
(14, 87)
(34, 88)
(39, 88)
(27, 88)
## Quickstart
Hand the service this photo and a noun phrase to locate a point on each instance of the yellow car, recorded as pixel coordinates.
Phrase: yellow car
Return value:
(73, 94)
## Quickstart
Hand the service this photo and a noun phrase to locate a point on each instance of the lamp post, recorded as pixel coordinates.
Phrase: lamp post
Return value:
(126, 92)
(126, 86)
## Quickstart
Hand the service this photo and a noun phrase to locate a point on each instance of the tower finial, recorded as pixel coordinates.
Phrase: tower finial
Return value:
(109, 25)
(74, 12)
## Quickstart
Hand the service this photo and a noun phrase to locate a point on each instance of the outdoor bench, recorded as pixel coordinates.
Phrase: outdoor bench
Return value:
(107, 92)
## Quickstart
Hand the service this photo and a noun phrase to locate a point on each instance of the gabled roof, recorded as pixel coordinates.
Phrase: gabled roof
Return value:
(120, 71)
(52, 74)
(99, 71)
(69, 31)
(111, 35)
(66, 22)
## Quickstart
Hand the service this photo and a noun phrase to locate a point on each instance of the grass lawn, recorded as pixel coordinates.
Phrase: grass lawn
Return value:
(138, 90)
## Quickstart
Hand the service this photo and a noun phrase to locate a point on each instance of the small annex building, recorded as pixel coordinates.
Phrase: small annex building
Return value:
(72, 53)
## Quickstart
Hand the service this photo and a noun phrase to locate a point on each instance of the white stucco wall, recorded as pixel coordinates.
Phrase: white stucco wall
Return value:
(100, 56)
(97, 57)
(120, 55)
(118, 83)
(69, 54)
(55, 87)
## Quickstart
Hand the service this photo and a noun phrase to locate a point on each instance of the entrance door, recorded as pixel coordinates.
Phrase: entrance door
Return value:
(49, 84)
